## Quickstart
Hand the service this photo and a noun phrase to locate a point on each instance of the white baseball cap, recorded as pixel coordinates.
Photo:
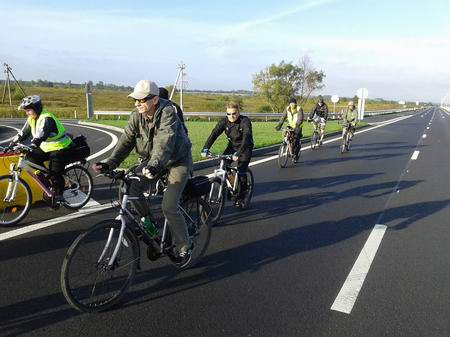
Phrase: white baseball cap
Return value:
(144, 88)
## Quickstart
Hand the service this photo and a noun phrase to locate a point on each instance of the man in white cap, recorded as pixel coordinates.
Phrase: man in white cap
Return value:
(161, 143)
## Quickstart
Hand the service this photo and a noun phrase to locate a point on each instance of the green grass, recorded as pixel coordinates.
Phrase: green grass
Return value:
(264, 134)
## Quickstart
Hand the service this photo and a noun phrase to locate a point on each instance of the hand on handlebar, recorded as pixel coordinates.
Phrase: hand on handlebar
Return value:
(149, 172)
(100, 167)
(205, 153)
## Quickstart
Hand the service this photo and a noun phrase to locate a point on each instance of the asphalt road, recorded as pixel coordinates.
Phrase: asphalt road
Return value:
(278, 268)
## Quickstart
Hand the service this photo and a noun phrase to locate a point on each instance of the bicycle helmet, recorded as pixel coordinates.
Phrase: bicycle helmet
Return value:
(31, 102)
(320, 99)
(351, 103)
(293, 100)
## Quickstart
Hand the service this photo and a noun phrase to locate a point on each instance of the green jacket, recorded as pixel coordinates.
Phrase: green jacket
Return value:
(350, 116)
(162, 141)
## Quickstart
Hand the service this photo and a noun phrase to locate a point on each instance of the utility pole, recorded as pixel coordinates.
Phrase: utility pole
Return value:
(8, 72)
(180, 78)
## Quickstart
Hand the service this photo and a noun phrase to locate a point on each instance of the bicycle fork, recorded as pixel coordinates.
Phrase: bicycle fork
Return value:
(12, 189)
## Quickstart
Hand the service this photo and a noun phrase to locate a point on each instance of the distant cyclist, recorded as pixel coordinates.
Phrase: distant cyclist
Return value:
(294, 114)
(49, 141)
(320, 116)
(238, 130)
(350, 119)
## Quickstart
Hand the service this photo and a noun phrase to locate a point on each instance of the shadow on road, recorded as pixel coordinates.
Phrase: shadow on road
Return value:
(36, 313)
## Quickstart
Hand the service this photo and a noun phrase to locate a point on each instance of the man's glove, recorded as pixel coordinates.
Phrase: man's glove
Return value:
(235, 156)
(204, 153)
(101, 167)
(150, 172)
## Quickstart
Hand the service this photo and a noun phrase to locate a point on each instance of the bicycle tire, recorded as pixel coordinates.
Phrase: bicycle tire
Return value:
(217, 205)
(94, 239)
(250, 188)
(198, 222)
(283, 155)
(314, 139)
(5, 209)
(77, 198)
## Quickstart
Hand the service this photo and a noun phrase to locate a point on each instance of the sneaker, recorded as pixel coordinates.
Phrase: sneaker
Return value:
(295, 159)
(239, 203)
(184, 256)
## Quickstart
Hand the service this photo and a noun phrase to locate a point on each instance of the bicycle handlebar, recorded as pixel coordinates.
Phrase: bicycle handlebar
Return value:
(220, 156)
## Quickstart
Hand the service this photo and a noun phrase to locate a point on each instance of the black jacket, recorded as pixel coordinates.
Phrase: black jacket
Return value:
(239, 134)
(321, 111)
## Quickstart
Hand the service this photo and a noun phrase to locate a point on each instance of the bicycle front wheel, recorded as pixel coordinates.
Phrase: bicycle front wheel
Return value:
(314, 140)
(89, 282)
(77, 187)
(283, 155)
(216, 200)
(15, 200)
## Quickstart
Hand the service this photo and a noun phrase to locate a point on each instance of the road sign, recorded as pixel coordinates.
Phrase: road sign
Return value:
(335, 99)
(362, 94)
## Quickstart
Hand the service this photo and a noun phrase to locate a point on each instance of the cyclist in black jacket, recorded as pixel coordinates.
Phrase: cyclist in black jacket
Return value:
(238, 130)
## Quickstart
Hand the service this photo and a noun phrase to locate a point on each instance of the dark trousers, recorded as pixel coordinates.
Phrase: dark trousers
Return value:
(57, 163)
(297, 137)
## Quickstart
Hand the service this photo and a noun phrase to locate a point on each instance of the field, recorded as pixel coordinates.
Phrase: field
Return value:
(65, 101)
(264, 134)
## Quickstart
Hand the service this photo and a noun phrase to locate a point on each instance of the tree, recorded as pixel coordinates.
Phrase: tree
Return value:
(278, 83)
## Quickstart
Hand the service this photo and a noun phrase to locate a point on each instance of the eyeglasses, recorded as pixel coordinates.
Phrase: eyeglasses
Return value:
(143, 100)
(232, 114)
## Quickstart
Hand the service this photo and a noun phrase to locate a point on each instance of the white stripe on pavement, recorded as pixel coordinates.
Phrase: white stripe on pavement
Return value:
(348, 294)
(424, 136)
(91, 207)
(106, 149)
(415, 155)
(9, 139)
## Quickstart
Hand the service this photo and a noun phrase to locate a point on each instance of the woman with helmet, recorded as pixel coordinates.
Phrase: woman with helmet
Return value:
(49, 140)
(294, 114)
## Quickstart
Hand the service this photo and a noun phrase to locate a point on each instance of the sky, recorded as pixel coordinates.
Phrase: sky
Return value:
(398, 49)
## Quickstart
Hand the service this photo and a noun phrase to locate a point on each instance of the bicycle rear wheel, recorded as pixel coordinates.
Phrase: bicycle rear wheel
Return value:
(250, 187)
(14, 211)
(283, 155)
(343, 144)
(216, 200)
(88, 283)
(196, 212)
(77, 187)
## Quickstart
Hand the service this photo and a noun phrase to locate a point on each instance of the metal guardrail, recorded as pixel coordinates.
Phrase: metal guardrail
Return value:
(253, 115)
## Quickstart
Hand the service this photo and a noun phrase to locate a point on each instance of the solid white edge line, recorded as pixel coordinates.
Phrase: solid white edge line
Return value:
(424, 136)
(348, 294)
(52, 222)
(109, 147)
(415, 155)
(9, 139)
(86, 211)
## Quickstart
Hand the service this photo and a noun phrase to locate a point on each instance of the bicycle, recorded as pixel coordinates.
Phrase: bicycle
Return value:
(286, 149)
(225, 183)
(318, 124)
(16, 196)
(101, 263)
(346, 137)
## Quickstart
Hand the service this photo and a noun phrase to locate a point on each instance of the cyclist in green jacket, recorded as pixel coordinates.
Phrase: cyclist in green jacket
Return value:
(49, 140)
(350, 119)
(294, 114)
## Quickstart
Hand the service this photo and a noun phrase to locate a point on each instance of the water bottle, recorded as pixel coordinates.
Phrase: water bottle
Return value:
(149, 226)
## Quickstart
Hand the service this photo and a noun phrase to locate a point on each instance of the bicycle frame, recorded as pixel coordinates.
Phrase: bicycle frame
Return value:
(221, 174)
(16, 171)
